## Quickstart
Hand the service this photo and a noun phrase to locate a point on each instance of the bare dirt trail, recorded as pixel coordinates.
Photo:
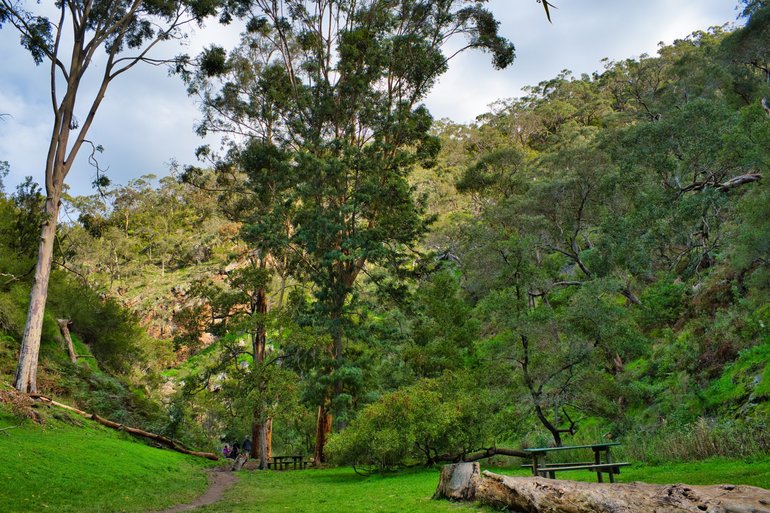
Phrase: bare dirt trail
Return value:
(219, 481)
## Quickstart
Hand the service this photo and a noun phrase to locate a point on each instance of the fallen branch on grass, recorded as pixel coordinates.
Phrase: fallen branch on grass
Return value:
(167, 442)
(9, 427)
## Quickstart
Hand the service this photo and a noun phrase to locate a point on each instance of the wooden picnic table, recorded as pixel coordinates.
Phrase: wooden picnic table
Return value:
(540, 467)
(283, 462)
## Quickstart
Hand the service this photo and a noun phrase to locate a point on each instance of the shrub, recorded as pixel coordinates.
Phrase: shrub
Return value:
(433, 420)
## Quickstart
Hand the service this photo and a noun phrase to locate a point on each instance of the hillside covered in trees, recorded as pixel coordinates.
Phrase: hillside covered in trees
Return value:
(588, 262)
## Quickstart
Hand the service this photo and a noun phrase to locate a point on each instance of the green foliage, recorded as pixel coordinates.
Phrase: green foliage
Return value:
(444, 328)
(444, 417)
(662, 303)
(743, 389)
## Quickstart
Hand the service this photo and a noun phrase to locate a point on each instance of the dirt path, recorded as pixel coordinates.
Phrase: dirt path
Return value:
(219, 481)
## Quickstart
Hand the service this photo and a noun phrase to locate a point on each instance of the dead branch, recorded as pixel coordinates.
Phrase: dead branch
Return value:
(171, 444)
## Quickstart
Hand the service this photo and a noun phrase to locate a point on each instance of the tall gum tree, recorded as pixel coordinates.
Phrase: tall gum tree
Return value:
(68, 34)
(323, 104)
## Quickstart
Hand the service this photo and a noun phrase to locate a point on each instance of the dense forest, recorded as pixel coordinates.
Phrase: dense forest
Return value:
(587, 262)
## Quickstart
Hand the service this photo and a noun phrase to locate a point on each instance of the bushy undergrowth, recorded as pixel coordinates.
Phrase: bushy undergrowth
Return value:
(430, 421)
(700, 440)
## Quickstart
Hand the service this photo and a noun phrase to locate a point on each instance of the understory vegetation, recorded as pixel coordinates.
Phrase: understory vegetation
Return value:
(589, 262)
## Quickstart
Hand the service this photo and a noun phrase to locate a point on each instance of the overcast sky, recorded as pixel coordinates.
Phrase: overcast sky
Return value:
(146, 119)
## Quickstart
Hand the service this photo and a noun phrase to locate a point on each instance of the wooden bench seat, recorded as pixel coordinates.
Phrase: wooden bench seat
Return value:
(549, 470)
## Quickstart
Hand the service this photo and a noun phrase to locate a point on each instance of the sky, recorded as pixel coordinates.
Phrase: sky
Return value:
(146, 120)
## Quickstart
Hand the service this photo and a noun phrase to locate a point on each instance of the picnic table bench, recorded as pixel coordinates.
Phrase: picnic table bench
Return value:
(284, 462)
(540, 467)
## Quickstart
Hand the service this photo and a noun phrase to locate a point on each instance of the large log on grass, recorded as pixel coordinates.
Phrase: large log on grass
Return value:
(541, 495)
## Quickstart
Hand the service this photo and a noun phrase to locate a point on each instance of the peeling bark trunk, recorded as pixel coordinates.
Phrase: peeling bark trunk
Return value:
(323, 428)
(260, 449)
(541, 495)
(26, 370)
(65, 331)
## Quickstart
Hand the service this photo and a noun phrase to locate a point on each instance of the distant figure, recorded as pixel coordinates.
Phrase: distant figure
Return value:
(246, 445)
(226, 451)
(234, 451)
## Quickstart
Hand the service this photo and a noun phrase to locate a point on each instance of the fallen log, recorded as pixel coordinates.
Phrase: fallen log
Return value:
(541, 495)
(167, 442)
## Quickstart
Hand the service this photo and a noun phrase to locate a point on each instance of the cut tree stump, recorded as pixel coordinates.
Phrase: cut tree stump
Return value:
(541, 495)
(458, 482)
(240, 461)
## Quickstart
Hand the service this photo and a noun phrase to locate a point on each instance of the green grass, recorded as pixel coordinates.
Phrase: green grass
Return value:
(66, 468)
(337, 491)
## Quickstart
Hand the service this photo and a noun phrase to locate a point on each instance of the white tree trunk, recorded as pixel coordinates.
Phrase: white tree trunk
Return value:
(26, 370)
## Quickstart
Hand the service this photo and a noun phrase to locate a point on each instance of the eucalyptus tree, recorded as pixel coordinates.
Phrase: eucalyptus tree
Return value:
(327, 95)
(67, 35)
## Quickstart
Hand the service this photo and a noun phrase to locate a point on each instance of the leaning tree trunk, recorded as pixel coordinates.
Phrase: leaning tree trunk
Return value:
(463, 481)
(65, 332)
(26, 370)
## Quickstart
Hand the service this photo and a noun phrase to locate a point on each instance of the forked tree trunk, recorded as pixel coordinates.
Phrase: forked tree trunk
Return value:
(463, 481)
(26, 370)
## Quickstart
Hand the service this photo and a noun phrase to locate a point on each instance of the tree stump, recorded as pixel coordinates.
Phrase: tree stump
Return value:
(458, 482)
(541, 495)
(241, 460)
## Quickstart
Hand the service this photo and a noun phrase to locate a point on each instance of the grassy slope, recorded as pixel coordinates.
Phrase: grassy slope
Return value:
(65, 468)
